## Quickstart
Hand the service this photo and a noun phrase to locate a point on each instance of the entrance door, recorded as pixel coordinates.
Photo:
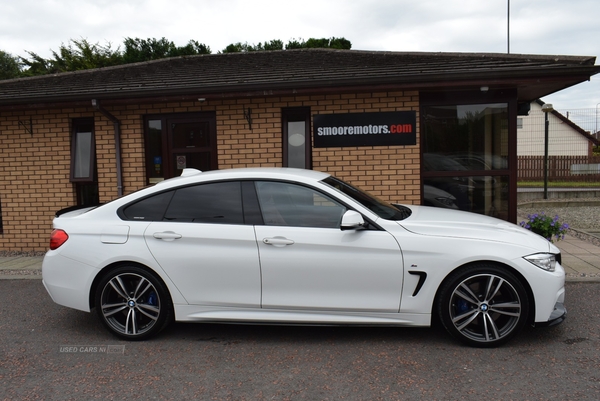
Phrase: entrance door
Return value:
(190, 144)
(178, 141)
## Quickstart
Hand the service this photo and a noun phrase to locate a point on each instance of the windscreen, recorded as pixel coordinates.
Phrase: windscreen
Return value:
(380, 208)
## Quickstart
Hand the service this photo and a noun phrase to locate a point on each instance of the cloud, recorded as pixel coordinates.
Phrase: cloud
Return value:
(536, 26)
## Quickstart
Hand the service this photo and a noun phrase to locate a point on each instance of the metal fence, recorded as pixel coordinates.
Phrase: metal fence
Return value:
(571, 146)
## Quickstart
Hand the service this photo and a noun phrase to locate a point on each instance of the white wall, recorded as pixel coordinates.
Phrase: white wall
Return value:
(563, 139)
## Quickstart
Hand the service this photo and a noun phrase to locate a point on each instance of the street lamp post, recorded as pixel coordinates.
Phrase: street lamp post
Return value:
(508, 28)
(596, 131)
(546, 108)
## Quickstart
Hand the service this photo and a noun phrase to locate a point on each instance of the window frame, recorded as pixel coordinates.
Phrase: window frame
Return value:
(296, 114)
(159, 151)
(508, 97)
(287, 219)
(1, 220)
(249, 203)
(83, 126)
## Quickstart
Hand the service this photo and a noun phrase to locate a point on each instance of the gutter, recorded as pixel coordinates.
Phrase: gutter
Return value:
(117, 125)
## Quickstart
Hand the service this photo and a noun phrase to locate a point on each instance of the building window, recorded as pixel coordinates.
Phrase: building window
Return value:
(465, 158)
(296, 137)
(83, 152)
(519, 123)
(83, 161)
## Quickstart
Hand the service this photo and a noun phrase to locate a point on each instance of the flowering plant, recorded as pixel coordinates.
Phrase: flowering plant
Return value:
(546, 226)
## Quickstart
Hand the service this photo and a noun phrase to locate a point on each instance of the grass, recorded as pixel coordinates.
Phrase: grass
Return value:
(558, 184)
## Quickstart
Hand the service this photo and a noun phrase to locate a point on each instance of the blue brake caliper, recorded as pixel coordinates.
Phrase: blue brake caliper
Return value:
(462, 306)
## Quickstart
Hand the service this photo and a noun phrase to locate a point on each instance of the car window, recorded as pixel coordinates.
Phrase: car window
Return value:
(149, 209)
(286, 204)
(377, 206)
(219, 203)
(206, 203)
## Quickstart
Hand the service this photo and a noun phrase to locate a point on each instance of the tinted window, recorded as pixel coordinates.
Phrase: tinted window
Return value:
(284, 204)
(377, 206)
(464, 139)
(149, 209)
(208, 203)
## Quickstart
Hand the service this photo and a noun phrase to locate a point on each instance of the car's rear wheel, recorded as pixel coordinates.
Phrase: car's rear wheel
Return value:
(483, 305)
(133, 303)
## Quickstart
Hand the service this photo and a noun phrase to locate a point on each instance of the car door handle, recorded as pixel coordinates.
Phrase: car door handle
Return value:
(278, 241)
(167, 236)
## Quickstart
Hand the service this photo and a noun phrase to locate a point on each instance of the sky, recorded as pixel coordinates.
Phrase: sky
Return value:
(549, 27)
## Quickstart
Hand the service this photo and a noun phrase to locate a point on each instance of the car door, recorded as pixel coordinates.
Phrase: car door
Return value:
(205, 248)
(309, 263)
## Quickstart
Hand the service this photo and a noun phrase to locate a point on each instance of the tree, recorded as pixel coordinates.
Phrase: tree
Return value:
(138, 50)
(81, 54)
(36, 65)
(245, 47)
(332, 43)
(10, 67)
(192, 48)
(77, 55)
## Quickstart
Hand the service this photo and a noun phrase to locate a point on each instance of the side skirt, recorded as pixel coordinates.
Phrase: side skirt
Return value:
(190, 313)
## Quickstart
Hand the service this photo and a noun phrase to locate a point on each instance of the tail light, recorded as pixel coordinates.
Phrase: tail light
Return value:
(57, 238)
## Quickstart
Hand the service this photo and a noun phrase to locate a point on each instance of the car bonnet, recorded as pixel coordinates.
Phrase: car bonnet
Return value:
(459, 224)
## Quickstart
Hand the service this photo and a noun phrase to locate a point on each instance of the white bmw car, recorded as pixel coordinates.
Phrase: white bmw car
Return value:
(299, 247)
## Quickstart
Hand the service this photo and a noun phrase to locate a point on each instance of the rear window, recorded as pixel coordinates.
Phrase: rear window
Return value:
(219, 203)
(209, 203)
(149, 209)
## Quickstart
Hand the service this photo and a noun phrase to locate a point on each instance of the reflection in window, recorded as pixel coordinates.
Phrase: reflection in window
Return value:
(83, 155)
(154, 151)
(465, 158)
(189, 135)
(284, 204)
(296, 137)
(217, 203)
(474, 135)
(83, 162)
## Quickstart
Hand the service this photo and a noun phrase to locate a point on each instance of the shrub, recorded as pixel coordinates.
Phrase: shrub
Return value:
(546, 226)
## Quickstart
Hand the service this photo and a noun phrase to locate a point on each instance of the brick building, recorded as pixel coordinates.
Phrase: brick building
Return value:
(395, 124)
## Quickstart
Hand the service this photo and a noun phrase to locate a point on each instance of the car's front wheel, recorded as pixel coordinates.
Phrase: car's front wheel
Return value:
(133, 303)
(483, 305)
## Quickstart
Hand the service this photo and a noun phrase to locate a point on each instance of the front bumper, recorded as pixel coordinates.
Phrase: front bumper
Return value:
(558, 315)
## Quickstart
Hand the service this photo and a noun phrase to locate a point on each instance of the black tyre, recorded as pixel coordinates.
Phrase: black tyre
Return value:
(483, 305)
(133, 303)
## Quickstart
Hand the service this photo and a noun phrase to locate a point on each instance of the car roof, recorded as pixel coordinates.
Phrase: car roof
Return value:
(280, 173)
(192, 176)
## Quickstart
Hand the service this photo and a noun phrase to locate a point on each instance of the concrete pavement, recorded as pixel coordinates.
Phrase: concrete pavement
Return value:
(581, 259)
(21, 267)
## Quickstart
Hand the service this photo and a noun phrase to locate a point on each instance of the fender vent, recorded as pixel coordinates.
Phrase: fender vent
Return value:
(422, 278)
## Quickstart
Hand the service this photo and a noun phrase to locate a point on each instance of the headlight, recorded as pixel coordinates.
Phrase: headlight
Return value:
(546, 261)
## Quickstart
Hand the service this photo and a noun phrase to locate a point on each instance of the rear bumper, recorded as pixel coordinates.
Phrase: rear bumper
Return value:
(68, 282)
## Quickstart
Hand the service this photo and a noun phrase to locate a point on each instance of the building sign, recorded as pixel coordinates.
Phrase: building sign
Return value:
(365, 129)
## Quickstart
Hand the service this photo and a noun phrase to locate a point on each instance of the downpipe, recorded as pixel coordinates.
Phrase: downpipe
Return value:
(117, 125)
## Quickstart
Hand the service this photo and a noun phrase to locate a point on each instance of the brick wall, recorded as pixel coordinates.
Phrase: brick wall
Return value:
(34, 168)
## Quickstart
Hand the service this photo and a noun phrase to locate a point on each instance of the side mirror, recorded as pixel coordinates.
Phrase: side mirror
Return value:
(352, 220)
